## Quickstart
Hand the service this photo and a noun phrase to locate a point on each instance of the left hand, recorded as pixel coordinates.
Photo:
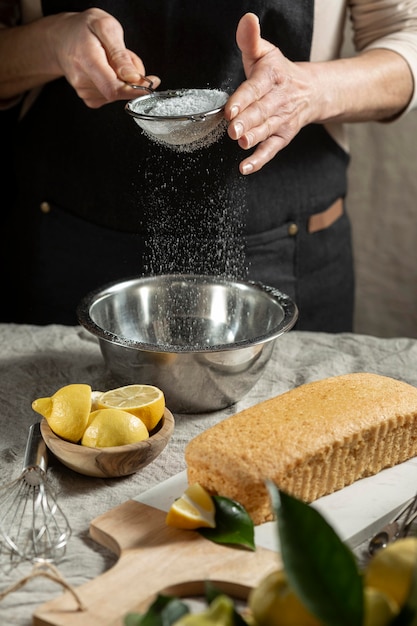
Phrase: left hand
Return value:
(273, 104)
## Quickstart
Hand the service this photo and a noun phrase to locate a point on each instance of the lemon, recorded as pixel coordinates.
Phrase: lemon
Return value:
(194, 509)
(379, 608)
(274, 603)
(144, 401)
(113, 427)
(392, 568)
(66, 411)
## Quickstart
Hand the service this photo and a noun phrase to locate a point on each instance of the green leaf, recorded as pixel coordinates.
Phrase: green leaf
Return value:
(233, 524)
(164, 611)
(321, 569)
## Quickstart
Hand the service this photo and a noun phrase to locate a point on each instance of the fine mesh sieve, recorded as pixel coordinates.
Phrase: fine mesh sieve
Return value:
(183, 118)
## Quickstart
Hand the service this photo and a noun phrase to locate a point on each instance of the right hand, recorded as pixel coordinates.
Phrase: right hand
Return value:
(90, 51)
(274, 102)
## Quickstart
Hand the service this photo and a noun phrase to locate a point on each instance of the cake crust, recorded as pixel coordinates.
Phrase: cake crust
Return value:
(310, 441)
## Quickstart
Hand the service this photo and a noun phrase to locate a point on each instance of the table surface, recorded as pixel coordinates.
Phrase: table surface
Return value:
(37, 360)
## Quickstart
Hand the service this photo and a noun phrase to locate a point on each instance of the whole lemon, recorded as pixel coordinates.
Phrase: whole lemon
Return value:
(379, 608)
(391, 569)
(113, 427)
(274, 603)
(66, 411)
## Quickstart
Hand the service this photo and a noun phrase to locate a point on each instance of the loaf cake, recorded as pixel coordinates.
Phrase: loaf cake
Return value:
(310, 441)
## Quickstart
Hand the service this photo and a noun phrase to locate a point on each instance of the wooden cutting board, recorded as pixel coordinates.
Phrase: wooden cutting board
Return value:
(152, 558)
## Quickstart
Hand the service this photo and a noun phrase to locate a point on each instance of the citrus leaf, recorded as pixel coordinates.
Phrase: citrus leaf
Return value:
(233, 524)
(164, 611)
(321, 569)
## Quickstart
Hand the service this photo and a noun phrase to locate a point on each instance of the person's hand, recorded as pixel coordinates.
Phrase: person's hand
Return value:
(273, 104)
(90, 50)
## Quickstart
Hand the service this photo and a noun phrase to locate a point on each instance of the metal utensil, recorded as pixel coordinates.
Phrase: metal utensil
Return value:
(180, 117)
(209, 334)
(148, 89)
(33, 527)
(397, 528)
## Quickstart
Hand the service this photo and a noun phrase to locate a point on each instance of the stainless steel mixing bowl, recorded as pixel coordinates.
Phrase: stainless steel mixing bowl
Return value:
(203, 340)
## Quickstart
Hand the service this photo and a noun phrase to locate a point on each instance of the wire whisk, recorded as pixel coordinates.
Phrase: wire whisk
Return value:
(33, 526)
(397, 528)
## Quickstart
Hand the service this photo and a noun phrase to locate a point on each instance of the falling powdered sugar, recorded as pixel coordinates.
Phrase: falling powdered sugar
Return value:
(195, 213)
(192, 199)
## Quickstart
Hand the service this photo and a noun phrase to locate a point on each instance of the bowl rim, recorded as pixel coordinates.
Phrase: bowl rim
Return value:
(166, 428)
(288, 306)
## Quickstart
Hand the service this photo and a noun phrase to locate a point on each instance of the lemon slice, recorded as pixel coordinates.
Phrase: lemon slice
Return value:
(144, 401)
(66, 411)
(194, 509)
(113, 427)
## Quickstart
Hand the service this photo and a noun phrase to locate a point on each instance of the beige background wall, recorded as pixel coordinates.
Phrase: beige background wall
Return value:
(382, 203)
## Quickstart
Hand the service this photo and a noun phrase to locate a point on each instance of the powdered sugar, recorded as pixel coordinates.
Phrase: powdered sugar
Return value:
(188, 102)
(195, 214)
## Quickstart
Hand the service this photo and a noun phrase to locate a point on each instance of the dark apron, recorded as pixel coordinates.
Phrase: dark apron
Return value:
(121, 205)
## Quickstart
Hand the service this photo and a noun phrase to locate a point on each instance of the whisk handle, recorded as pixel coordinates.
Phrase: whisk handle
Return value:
(36, 456)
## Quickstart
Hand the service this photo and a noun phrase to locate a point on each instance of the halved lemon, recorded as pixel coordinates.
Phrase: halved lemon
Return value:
(144, 401)
(194, 509)
(66, 411)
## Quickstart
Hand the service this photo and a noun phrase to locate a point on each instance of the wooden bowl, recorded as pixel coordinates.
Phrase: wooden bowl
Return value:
(112, 461)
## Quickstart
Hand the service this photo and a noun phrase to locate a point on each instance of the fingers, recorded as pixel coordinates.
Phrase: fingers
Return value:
(269, 123)
(111, 66)
(265, 152)
(248, 34)
(249, 40)
(109, 32)
(95, 97)
(261, 61)
(127, 66)
(268, 109)
(149, 82)
(254, 49)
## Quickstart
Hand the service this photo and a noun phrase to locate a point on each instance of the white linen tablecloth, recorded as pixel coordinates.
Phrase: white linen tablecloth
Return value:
(37, 360)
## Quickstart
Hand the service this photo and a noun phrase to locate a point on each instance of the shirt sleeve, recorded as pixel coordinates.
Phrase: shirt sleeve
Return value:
(387, 24)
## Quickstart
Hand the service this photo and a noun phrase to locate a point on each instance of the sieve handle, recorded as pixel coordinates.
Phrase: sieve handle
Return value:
(148, 89)
(36, 456)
